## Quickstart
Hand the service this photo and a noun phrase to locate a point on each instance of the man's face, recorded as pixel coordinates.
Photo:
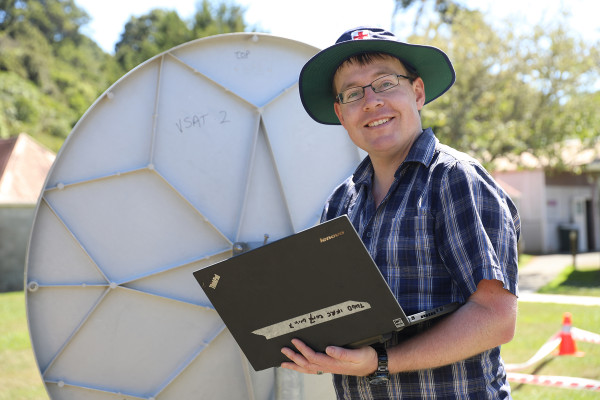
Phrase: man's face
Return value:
(383, 124)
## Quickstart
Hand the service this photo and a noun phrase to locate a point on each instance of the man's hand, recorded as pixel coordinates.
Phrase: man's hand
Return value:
(485, 321)
(336, 360)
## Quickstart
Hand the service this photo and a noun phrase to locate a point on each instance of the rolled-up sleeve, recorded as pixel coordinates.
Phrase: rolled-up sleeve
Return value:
(477, 229)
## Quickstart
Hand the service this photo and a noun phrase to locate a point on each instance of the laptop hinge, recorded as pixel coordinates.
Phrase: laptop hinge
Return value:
(433, 313)
(372, 340)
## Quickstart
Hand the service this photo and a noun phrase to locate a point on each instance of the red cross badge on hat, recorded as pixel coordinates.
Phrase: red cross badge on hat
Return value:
(359, 35)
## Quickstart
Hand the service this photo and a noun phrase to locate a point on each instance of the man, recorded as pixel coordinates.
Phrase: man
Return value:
(435, 222)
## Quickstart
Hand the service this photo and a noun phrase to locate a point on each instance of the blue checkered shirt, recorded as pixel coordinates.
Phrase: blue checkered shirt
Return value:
(444, 225)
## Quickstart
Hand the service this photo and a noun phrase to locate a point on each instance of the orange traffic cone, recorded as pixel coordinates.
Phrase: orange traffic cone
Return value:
(567, 345)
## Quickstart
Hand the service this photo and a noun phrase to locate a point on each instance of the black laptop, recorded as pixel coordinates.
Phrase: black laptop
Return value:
(319, 285)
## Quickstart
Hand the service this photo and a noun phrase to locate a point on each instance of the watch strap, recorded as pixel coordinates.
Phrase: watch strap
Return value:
(382, 373)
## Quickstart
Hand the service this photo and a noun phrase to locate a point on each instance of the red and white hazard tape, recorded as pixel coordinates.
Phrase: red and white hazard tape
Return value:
(566, 382)
(555, 381)
(585, 336)
(578, 335)
(544, 351)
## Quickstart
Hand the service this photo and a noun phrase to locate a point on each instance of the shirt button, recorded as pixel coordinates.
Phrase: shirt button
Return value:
(369, 234)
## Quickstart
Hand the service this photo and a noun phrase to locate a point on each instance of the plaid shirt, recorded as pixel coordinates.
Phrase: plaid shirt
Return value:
(444, 225)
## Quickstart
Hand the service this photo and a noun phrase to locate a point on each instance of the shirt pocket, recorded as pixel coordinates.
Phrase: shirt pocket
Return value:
(411, 244)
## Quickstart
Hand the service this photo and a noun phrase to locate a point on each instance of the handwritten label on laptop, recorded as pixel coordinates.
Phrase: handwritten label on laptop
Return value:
(311, 319)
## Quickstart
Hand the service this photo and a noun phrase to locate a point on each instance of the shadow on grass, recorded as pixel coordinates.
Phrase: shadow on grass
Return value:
(571, 281)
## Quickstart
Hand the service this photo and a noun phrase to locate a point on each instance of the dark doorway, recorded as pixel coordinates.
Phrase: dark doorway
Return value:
(589, 214)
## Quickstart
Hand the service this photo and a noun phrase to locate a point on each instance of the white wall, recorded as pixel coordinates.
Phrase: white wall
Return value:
(566, 207)
(532, 207)
(15, 227)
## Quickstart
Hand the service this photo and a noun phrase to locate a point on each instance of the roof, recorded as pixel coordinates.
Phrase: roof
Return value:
(6, 148)
(512, 192)
(574, 154)
(24, 164)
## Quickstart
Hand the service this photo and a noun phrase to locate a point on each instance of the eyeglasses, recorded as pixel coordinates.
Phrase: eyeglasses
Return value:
(381, 84)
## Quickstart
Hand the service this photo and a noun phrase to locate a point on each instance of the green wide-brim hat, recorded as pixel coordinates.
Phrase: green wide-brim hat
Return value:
(431, 64)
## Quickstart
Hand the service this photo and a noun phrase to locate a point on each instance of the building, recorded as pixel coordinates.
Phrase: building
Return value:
(24, 164)
(553, 203)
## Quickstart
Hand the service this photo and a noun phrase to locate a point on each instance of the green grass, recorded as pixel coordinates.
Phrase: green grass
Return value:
(19, 376)
(524, 259)
(583, 281)
(536, 322)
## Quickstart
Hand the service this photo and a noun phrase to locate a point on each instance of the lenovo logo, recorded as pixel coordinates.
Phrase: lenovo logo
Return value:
(335, 235)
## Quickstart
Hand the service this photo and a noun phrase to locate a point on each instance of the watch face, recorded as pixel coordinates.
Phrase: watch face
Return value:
(379, 380)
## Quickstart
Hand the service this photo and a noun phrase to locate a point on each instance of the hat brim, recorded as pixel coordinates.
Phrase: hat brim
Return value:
(315, 82)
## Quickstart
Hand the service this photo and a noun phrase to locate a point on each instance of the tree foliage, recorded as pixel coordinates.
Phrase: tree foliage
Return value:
(148, 35)
(160, 30)
(446, 9)
(50, 73)
(515, 91)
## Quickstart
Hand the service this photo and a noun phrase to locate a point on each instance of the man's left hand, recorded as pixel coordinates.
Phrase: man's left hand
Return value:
(335, 360)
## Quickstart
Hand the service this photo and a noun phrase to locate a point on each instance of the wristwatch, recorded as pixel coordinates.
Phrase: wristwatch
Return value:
(381, 376)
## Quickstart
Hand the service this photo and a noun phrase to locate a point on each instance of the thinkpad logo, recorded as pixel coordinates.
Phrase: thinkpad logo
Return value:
(214, 282)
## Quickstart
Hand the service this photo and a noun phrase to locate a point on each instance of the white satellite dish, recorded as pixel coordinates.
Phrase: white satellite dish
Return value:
(199, 148)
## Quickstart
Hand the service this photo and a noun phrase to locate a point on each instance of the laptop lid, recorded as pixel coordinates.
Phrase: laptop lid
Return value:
(319, 285)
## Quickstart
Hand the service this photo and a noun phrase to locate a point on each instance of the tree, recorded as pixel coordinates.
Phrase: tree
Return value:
(514, 93)
(446, 9)
(49, 72)
(149, 35)
(160, 30)
(55, 19)
(210, 20)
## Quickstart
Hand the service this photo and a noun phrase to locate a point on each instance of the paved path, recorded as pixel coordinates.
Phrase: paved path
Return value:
(560, 299)
(543, 269)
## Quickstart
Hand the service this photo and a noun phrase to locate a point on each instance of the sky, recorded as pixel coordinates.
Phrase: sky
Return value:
(320, 22)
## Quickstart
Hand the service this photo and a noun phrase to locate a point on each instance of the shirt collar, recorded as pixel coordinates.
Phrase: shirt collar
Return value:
(423, 148)
(363, 173)
(421, 151)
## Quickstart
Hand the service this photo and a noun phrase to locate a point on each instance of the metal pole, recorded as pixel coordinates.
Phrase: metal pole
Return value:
(573, 238)
(289, 385)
